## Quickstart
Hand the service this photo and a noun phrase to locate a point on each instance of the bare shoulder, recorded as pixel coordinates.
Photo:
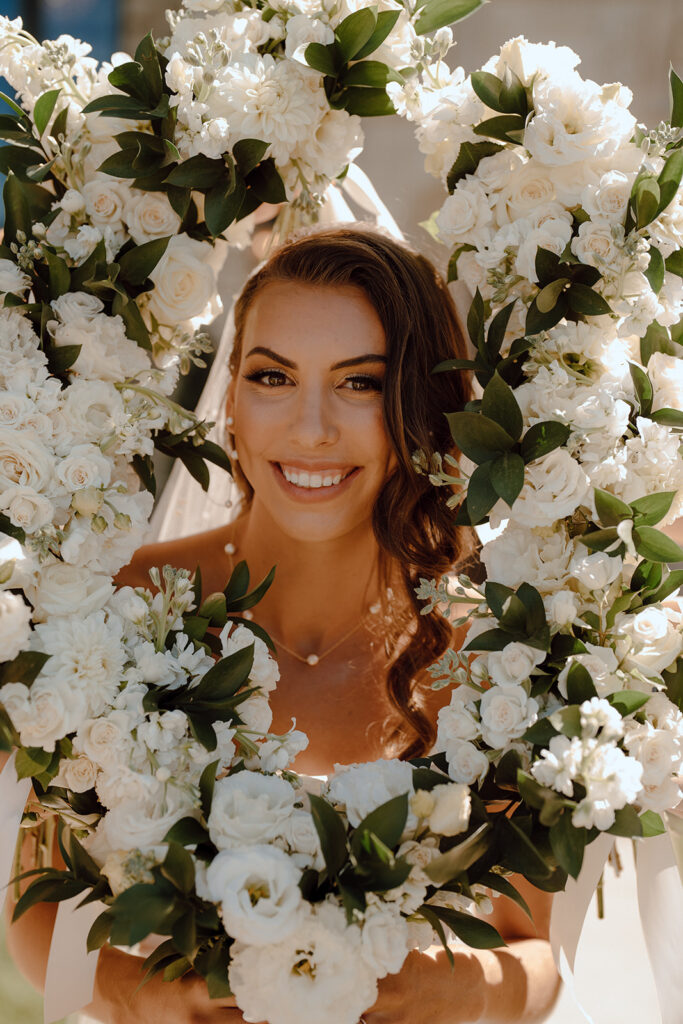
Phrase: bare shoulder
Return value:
(206, 550)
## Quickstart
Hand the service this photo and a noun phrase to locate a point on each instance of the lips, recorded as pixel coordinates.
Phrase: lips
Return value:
(314, 482)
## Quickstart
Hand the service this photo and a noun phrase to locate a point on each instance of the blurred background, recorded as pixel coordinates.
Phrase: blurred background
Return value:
(632, 41)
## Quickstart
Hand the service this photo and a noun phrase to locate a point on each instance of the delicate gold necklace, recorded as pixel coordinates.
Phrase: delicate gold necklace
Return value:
(311, 659)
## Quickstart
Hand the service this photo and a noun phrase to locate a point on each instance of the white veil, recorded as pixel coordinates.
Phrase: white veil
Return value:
(184, 508)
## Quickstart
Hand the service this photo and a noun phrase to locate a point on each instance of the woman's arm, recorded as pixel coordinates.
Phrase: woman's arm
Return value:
(515, 983)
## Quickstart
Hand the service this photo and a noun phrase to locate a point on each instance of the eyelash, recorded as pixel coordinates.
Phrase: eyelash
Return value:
(260, 376)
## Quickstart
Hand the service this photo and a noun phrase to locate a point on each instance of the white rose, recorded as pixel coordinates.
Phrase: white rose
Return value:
(62, 589)
(561, 608)
(92, 410)
(455, 721)
(596, 571)
(363, 787)
(466, 215)
(248, 808)
(384, 938)
(466, 763)
(303, 839)
(521, 554)
(78, 774)
(258, 892)
(657, 642)
(106, 741)
(184, 281)
(514, 664)
(264, 672)
(595, 244)
(15, 630)
(85, 466)
(552, 235)
(451, 814)
(117, 784)
(132, 825)
(26, 508)
(77, 306)
(302, 30)
(554, 486)
(609, 198)
(24, 461)
(54, 712)
(506, 713)
(529, 186)
(601, 663)
(105, 199)
(149, 215)
(12, 279)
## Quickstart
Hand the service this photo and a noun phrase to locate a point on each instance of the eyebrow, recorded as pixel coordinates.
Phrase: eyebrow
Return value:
(261, 350)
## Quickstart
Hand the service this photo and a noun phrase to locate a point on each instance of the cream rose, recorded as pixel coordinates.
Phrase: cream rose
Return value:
(15, 630)
(466, 215)
(86, 466)
(23, 461)
(554, 486)
(184, 279)
(595, 244)
(26, 508)
(506, 713)
(452, 805)
(77, 306)
(466, 763)
(149, 215)
(105, 200)
(657, 642)
(514, 664)
(78, 774)
(63, 589)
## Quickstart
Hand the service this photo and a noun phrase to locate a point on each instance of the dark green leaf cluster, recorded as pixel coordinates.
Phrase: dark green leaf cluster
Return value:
(643, 514)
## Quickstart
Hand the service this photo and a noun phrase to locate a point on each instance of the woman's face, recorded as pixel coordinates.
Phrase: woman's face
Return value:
(307, 408)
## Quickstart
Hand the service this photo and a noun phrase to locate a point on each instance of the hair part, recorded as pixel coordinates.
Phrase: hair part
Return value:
(412, 523)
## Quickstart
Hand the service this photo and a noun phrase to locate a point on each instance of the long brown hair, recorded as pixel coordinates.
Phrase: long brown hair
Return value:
(411, 521)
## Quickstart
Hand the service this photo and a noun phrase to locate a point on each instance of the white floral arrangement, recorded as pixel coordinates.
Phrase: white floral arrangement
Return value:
(566, 222)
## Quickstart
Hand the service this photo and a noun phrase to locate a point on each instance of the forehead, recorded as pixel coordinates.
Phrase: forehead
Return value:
(295, 318)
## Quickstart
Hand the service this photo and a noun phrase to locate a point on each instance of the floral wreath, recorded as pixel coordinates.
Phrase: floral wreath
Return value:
(146, 737)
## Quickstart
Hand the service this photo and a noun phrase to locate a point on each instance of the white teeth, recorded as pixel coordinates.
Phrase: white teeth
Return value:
(310, 480)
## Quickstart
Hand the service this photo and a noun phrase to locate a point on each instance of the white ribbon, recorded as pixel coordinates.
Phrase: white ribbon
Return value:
(660, 898)
(13, 796)
(70, 978)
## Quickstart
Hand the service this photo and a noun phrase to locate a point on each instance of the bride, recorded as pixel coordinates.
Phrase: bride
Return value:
(331, 396)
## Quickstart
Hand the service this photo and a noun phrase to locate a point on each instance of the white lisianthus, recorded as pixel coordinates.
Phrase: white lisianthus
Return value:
(258, 892)
(25, 508)
(361, 788)
(506, 713)
(137, 824)
(249, 809)
(317, 973)
(184, 280)
(514, 664)
(554, 486)
(601, 663)
(466, 215)
(385, 938)
(264, 672)
(533, 60)
(15, 629)
(12, 279)
(451, 813)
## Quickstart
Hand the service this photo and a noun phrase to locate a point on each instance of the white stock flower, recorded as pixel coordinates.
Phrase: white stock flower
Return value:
(598, 715)
(256, 713)
(184, 281)
(149, 215)
(451, 812)
(554, 487)
(559, 765)
(12, 279)
(318, 973)
(601, 663)
(15, 630)
(385, 938)
(337, 139)
(248, 809)
(514, 664)
(258, 892)
(363, 787)
(466, 215)
(506, 713)
(265, 672)
(612, 780)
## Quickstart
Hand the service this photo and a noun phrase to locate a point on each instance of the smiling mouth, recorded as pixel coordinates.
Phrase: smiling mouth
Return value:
(318, 480)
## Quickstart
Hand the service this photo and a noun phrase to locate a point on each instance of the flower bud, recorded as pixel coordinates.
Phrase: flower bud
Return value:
(122, 521)
(422, 804)
(98, 524)
(87, 501)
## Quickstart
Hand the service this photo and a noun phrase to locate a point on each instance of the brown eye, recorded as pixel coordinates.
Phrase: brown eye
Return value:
(363, 382)
(269, 378)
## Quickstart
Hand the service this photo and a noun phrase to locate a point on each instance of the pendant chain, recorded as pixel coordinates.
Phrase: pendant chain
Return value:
(312, 659)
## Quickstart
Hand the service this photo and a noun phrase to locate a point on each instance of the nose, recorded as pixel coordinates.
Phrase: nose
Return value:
(313, 422)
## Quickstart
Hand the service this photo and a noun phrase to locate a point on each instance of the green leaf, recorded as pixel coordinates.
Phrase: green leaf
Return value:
(491, 640)
(368, 102)
(674, 262)
(536, 321)
(656, 339)
(627, 702)
(449, 865)
(437, 14)
(385, 22)
(43, 110)
(478, 437)
(142, 910)
(238, 584)
(651, 508)
(243, 604)
(505, 127)
(31, 761)
(521, 855)
(669, 417)
(546, 300)
(51, 888)
(178, 868)
(488, 88)
(481, 494)
(10, 530)
(60, 277)
(669, 179)
(600, 540)
(331, 832)
(580, 685)
(568, 844)
(499, 404)
(475, 321)
(655, 545)
(137, 264)
(611, 510)
(197, 172)
(643, 388)
(13, 106)
(542, 438)
(507, 476)
(586, 301)
(651, 824)
(24, 668)
(540, 733)
(187, 832)
(322, 58)
(99, 931)
(646, 196)
(497, 330)
(500, 884)
(120, 164)
(147, 56)
(266, 184)
(371, 73)
(626, 823)
(655, 270)
(676, 89)
(223, 203)
(207, 783)
(471, 930)
(177, 969)
(387, 822)
(224, 678)
(353, 33)
(17, 213)
(567, 720)
(248, 153)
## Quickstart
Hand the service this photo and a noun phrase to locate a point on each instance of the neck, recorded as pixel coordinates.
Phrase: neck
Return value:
(321, 589)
